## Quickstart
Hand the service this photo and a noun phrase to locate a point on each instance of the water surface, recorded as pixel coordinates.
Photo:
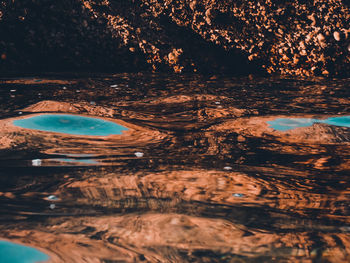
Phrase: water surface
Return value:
(70, 124)
(285, 124)
(15, 253)
(201, 178)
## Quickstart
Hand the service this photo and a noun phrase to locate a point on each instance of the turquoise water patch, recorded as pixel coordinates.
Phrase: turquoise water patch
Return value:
(15, 253)
(285, 124)
(70, 124)
(77, 161)
(343, 121)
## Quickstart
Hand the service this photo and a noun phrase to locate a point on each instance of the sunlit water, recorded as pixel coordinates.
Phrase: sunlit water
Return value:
(188, 168)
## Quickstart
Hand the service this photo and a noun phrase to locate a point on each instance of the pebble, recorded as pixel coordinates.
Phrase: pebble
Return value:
(20, 113)
(52, 206)
(321, 40)
(217, 102)
(36, 162)
(336, 35)
(139, 154)
(64, 88)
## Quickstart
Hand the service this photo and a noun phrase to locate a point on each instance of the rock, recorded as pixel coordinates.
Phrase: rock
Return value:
(336, 35)
(213, 36)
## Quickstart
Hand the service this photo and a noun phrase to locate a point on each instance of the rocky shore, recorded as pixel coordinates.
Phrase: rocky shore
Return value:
(296, 38)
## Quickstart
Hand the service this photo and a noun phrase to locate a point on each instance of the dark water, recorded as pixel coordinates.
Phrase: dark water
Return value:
(198, 176)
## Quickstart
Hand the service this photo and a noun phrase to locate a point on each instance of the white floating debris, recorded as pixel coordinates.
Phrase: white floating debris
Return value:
(114, 86)
(217, 102)
(20, 113)
(52, 198)
(64, 88)
(13, 90)
(227, 168)
(77, 91)
(52, 206)
(238, 195)
(345, 228)
(139, 154)
(39, 94)
(36, 162)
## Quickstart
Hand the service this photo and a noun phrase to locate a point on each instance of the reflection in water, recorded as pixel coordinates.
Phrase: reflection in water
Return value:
(15, 253)
(199, 176)
(285, 124)
(70, 124)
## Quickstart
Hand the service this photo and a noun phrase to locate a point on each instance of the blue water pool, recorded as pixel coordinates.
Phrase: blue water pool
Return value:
(285, 124)
(70, 124)
(15, 253)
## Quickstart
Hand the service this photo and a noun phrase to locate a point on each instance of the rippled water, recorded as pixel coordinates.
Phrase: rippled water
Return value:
(198, 175)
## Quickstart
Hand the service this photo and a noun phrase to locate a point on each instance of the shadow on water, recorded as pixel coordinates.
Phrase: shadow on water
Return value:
(200, 175)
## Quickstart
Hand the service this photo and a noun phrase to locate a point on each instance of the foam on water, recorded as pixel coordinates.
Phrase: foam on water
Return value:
(285, 124)
(70, 124)
(15, 253)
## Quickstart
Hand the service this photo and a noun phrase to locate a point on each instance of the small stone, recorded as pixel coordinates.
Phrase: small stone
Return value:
(52, 206)
(36, 162)
(139, 154)
(321, 40)
(238, 195)
(20, 113)
(303, 52)
(217, 102)
(193, 5)
(64, 88)
(209, 15)
(313, 19)
(240, 138)
(336, 35)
